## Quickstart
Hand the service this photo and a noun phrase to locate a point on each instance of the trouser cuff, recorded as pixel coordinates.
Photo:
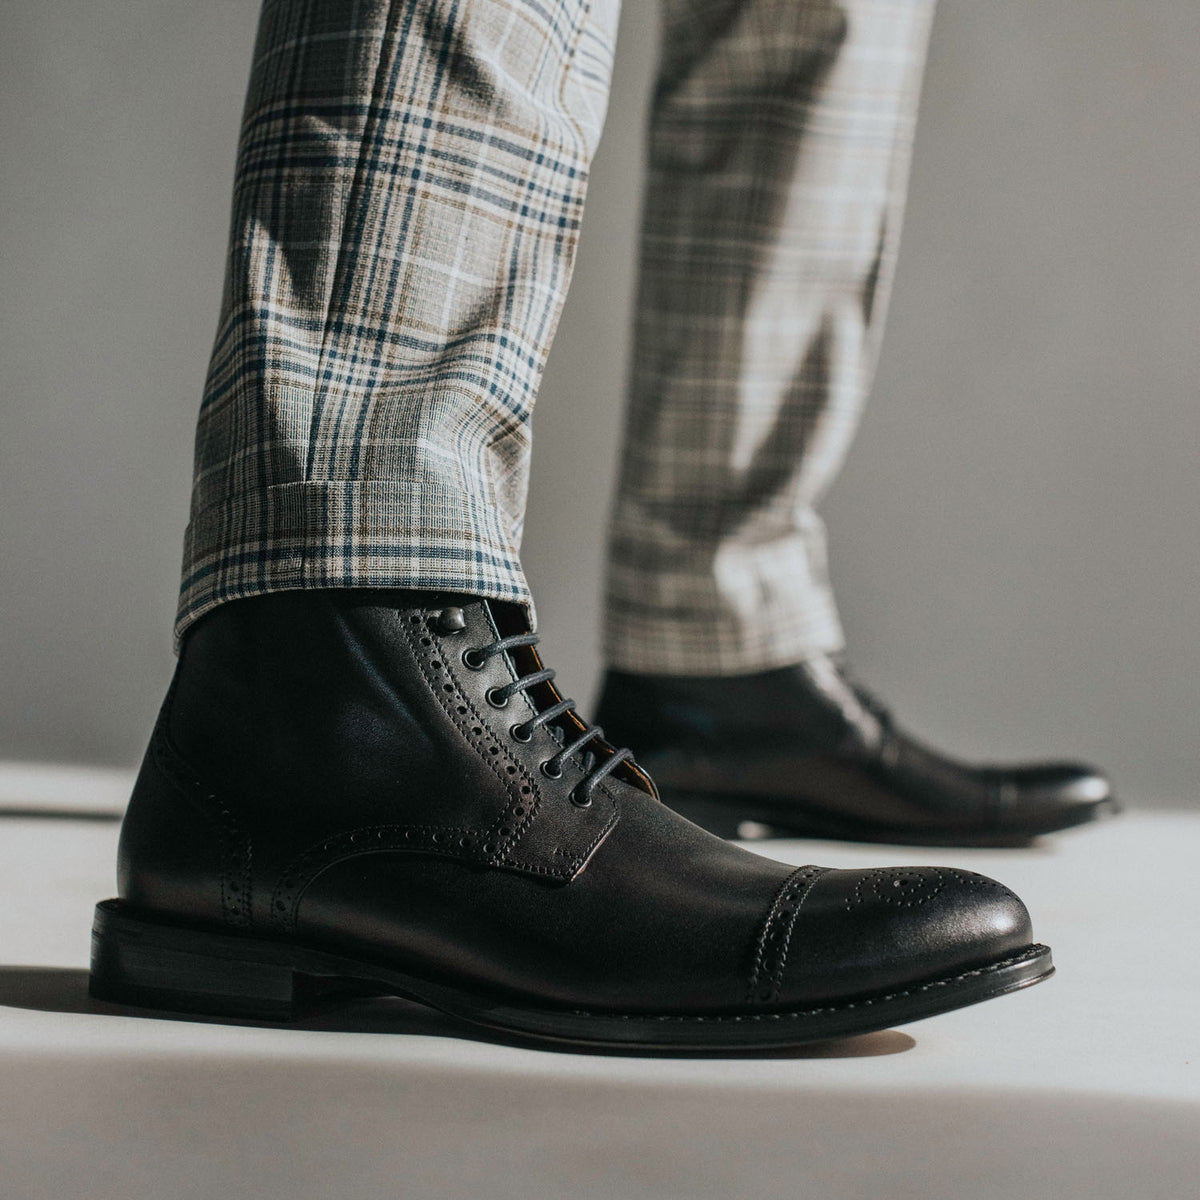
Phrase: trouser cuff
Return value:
(331, 534)
(752, 609)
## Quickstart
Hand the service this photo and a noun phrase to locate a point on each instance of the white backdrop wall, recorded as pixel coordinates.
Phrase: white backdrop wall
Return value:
(1013, 539)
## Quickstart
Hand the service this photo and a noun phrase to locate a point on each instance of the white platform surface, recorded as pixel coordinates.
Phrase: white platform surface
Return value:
(1085, 1086)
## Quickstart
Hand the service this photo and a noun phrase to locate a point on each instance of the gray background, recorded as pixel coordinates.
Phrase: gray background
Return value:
(1014, 537)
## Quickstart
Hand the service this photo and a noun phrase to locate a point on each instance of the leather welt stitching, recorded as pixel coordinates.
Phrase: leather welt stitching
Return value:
(766, 980)
(916, 989)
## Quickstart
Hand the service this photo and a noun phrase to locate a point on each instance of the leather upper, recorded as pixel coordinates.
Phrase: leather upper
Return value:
(328, 768)
(805, 737)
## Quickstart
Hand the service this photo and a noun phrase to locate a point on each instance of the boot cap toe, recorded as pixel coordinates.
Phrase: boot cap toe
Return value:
(865, 932)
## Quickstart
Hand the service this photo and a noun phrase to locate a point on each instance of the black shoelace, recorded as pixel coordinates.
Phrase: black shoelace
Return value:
(595, 770)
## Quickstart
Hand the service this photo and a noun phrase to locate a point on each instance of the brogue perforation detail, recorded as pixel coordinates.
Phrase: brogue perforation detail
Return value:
(973, 880)
(574, 860)
(353, 843)
(236, 847)
(899, 887)
(774, 940)
(493, 845)
(524, 794)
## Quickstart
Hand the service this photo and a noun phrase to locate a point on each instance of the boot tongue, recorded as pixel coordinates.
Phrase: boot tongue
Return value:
(507, 616)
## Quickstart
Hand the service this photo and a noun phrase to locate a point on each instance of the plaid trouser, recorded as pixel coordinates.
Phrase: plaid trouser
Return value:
(407, 202)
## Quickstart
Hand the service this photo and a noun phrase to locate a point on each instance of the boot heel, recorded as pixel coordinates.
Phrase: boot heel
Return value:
(150, 965)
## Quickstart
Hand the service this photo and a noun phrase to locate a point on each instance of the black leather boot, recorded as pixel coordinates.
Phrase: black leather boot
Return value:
(802, 752)
(386, 789)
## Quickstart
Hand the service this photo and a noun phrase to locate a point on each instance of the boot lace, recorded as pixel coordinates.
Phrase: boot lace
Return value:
(595, 769)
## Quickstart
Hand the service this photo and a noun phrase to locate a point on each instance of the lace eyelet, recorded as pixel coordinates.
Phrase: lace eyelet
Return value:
(580, 801)
(473, 660)
(549, 771)
(521, 732)
(496, 697)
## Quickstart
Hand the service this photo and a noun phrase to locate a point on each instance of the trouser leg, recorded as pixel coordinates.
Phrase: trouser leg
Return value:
(779, 150)
(408, 193)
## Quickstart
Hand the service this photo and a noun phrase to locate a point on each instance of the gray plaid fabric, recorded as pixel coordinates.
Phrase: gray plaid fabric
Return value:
(779, 147)
(408, 194)
(407, 202)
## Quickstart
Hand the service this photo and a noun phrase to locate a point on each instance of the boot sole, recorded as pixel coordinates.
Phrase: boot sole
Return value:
(151, 964)
(752, 818)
